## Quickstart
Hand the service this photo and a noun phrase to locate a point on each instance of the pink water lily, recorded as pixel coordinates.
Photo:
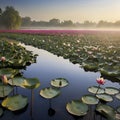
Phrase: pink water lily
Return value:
(4, 79)
(3, 59)
(100, 81)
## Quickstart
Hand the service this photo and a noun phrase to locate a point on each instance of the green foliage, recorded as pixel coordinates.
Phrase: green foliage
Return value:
(11, 18)
(26, 21)
(15, 102)
(94, 52)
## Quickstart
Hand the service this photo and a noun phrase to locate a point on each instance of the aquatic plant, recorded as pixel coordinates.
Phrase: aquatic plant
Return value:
(15, 103)
(91, 49)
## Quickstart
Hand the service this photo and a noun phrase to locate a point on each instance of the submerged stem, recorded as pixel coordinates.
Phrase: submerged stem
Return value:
(97, 89)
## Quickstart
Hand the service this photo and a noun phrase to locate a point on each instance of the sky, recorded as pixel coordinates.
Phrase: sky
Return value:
(75, 10)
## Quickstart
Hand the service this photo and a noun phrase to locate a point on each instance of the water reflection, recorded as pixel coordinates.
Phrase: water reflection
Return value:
(49, 67)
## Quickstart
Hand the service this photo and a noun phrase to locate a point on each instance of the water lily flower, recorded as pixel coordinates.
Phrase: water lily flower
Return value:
(90, 52)
(4, 79)
(11, 43)
(100, 81)
(3, 59)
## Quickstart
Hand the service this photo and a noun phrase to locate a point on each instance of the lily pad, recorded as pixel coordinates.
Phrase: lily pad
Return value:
(110, 71)
(59, 82)
(106, 110)
(76, 107)
(31, 83)
(90, 66)
(15, 103)
(5, 90)
(9, 72)
(1, 111)
(49, 92)
(117, 96)
(96, 89)
(18, 81)
(111, 90)
(90, 99)
(105, 97)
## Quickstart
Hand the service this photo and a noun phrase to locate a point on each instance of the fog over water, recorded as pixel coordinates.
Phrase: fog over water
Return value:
(69, 28)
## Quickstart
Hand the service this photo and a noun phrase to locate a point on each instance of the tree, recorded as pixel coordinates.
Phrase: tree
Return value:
(11, 18)
(117, 24)
(26, 21)
(54, 22)
(89, 24)
(67, 23)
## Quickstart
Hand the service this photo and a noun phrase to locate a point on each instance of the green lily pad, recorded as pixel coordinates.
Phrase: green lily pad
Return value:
(1, 111)
(106, 111)
(49, 92)
(110, 71)
(90, 99)
(111, 90)
(118, 109)
(18, 81)
(5, 90)
(76, 107)
(96, 89)
(59, 82)
(16, 102)
(31, 83)
(117, 96)
(105, 97)
(9, 72)
(90, 66)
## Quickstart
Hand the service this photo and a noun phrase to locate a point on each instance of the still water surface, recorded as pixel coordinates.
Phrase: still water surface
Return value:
(48, 67)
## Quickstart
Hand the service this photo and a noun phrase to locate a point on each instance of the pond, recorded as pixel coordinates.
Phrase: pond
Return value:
(46, 68)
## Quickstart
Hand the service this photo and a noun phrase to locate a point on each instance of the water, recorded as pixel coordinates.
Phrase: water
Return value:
(49, 67)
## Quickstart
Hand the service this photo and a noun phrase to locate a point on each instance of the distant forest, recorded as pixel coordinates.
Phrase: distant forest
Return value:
(27, 22)
(10, 19)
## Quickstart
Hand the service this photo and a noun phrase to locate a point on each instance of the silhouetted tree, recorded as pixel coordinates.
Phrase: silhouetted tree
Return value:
(26, 21)
(117, 24)
(67, 23)
(54, 22)
(11, 18)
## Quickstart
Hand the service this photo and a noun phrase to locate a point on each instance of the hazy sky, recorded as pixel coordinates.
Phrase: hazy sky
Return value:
(75, 10)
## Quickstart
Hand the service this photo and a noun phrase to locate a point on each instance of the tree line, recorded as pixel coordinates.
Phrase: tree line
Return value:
(26, 21)
(10, 19)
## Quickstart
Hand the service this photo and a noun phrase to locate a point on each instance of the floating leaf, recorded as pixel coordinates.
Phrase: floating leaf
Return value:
(49, 92)
(5, 90)
(16, 102)
(107, 111)
(90, 99)
(117, 96)
(1, 111)
(76, 107)
(18, 81)
(110, 71)
(9, 72)
(111, 90)
(95, 89)
(31, 83)
(90, 66)
(105, 97)
(59, 82)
